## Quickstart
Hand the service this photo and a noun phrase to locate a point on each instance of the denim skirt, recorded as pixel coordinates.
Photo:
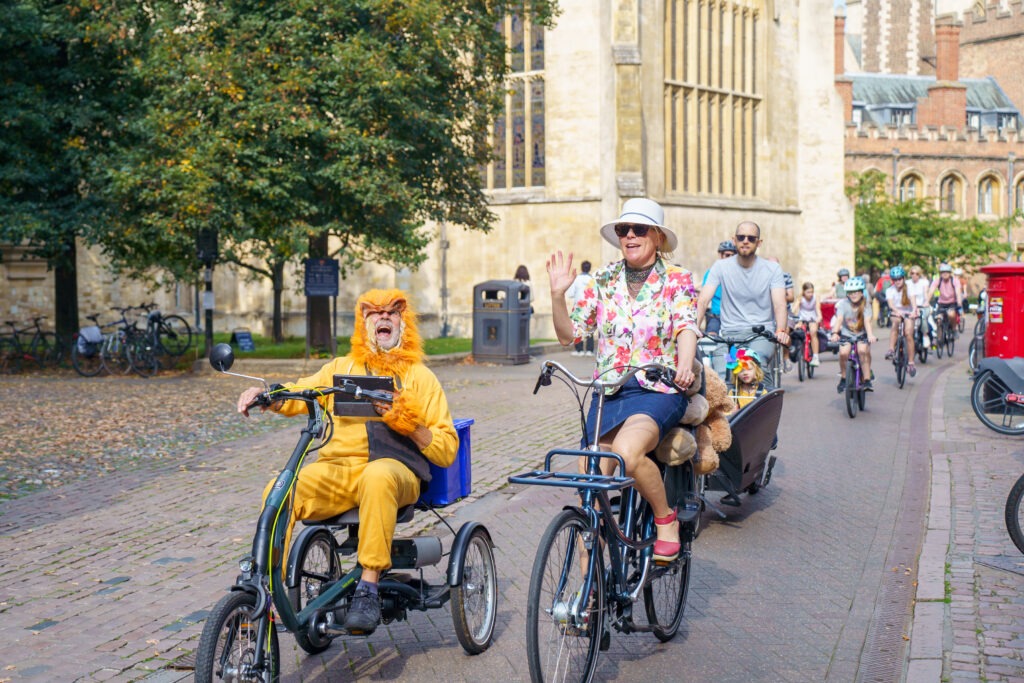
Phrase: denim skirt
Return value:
(632, 399)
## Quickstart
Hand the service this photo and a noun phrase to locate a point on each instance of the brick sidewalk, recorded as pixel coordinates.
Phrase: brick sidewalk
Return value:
(969, 615)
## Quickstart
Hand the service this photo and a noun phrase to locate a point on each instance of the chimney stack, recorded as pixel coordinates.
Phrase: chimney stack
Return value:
(844, 86)
(946, 104)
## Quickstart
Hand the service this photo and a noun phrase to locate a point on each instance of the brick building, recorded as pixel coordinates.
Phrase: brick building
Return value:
(950, 136)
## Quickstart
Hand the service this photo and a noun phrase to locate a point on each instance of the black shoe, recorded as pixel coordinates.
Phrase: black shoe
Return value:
(866, 386)
(842, 386)
(363, 613)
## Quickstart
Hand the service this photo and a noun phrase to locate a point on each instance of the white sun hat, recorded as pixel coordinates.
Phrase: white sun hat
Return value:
(641, 211)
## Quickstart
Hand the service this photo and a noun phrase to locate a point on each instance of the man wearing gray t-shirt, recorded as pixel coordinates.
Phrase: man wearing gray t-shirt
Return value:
(753, 293)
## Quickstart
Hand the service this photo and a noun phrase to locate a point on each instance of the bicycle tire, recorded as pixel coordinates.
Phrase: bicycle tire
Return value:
(862, 399)
(670, 585)
(1013, 513)
(988, 400)
(233, 620)
(317, 565)
(975, 352)
(900, 361)
(475, 599)
(940, 343)
(45, 350)
(143, 359)
(555, 575)
(10, 357)
(950, 339)
(86, 358)
(173, 335)
(851, 390)
(115, 355)
(961, 322)
(800, 365)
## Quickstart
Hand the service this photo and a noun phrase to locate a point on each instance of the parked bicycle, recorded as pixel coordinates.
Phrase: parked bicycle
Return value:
(306, 591)
(30, 344)
(976, 349)
(124, 348)
(170, 335)
(997, 396)
(1014, 513)
(595, 559)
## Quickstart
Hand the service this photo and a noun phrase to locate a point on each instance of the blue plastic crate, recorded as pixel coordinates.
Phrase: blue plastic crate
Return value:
(448, 484)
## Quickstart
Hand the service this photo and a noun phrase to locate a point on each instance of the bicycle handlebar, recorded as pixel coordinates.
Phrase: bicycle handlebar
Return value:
(655, 372)
(278, 393)
(759, 333)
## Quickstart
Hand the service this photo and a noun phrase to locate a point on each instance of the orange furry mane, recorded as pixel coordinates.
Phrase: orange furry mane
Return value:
(393, 362)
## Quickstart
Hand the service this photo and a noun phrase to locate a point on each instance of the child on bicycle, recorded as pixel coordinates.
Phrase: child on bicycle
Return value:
(809, 313)
(748, 377)
(853, 324)
(902, 306)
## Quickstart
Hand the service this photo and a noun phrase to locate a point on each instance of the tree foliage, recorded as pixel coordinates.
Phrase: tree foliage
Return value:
(913, 232)
(278, 122)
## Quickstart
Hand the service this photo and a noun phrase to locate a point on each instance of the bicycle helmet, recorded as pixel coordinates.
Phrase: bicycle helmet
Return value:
(854, 284)
(842, 272)
(897, 272)
(945, 268)
(726, 246)
(958, 271)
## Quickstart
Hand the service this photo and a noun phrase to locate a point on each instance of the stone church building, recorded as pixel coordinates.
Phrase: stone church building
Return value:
(722, 110)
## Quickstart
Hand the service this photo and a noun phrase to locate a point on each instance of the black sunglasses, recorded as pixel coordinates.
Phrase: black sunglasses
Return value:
(622, 229)
(747, 238)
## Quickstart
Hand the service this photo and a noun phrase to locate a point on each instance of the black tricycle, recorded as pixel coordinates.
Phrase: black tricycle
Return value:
(307, 590)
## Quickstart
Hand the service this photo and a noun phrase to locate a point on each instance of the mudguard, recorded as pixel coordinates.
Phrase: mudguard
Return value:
(1009, 370)
(458, 554)
(299, 545)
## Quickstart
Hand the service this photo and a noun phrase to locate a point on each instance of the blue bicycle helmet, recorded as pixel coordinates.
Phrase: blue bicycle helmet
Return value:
(854, 284)
(897, 271)
(726, 246)
(842, 272)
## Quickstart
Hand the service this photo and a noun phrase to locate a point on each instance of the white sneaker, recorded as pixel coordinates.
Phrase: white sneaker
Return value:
(577, 353)
(814, 360)
(589, 353)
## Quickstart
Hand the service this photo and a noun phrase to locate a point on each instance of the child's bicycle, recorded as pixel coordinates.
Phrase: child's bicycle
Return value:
(596, 558)
(805, 352)
(856, 394)
(306, 591)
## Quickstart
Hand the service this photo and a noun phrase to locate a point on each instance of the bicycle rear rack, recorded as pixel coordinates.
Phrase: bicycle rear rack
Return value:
(575, 480)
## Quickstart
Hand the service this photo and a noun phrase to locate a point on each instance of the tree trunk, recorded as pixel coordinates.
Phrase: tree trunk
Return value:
(277, 270)
(65, 291)
(319, 306)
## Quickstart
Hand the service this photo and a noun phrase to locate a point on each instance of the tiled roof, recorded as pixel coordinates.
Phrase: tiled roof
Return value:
(874, 90)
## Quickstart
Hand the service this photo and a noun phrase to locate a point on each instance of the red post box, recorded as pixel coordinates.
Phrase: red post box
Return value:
(1004, 310)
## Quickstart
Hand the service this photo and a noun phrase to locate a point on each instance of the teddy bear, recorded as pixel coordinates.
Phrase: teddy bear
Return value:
(705, 431)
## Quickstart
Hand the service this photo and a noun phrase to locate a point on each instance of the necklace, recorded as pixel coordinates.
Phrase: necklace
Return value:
(635, 275)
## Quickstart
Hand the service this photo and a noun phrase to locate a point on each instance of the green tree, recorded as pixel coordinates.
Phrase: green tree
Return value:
(281, 123)
(65, 87)
(913, 232)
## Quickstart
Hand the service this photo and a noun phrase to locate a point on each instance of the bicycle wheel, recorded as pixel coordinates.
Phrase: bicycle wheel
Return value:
(563, 642)
(475, 600)
(940, 343)
(920, 349)
(900, 361)
(228, 646)
(665, 594)
(950, 338)
(988, 399)
(1014, 512)
(851, 389)
(801, 364)
(143, 358)
(86, 358)
(317, 565)
(862, 399)
(45, 350)
(174, 336)
(10, 357)
(961, 321)
(115, 355)
(975, 352)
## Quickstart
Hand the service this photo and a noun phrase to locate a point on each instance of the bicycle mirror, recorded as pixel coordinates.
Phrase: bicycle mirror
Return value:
(222, 357)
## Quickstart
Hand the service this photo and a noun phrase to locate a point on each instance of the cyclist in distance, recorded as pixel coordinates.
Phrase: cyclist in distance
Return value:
(713, 318)
(901, 306)
(853, 322)
(808, 311)
(753, 293)
(643, 310)
(917, 288)
(840, 284)
(950, 294)
(377, 464)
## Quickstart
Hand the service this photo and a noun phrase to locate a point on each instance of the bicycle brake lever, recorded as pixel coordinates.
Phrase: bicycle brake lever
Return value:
(544, 379)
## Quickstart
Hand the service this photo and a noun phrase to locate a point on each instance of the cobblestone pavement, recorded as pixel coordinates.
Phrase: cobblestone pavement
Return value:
(110, 577)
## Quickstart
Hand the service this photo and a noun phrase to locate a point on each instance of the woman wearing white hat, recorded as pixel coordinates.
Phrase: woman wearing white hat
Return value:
(644, 310)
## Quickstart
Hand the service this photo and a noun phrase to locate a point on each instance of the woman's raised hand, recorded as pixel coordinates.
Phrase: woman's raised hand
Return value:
(560, 273)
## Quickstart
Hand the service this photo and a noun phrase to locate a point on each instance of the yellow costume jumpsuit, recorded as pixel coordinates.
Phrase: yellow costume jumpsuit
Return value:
(342, 477)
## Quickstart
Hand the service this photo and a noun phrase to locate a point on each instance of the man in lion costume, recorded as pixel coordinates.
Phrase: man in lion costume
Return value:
(377, 464)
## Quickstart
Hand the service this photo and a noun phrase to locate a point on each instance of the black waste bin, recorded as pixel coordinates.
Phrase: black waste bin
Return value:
(501, 322)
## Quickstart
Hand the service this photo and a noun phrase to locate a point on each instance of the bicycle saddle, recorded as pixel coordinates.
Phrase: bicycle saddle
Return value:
(405, 514)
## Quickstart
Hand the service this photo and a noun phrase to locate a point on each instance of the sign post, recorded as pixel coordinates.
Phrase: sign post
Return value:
(322, 280)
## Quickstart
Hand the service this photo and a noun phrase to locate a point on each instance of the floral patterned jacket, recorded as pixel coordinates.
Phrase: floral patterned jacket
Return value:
(640, 331)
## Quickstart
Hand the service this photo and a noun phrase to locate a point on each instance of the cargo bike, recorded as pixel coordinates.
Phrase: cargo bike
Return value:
(308, 593)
